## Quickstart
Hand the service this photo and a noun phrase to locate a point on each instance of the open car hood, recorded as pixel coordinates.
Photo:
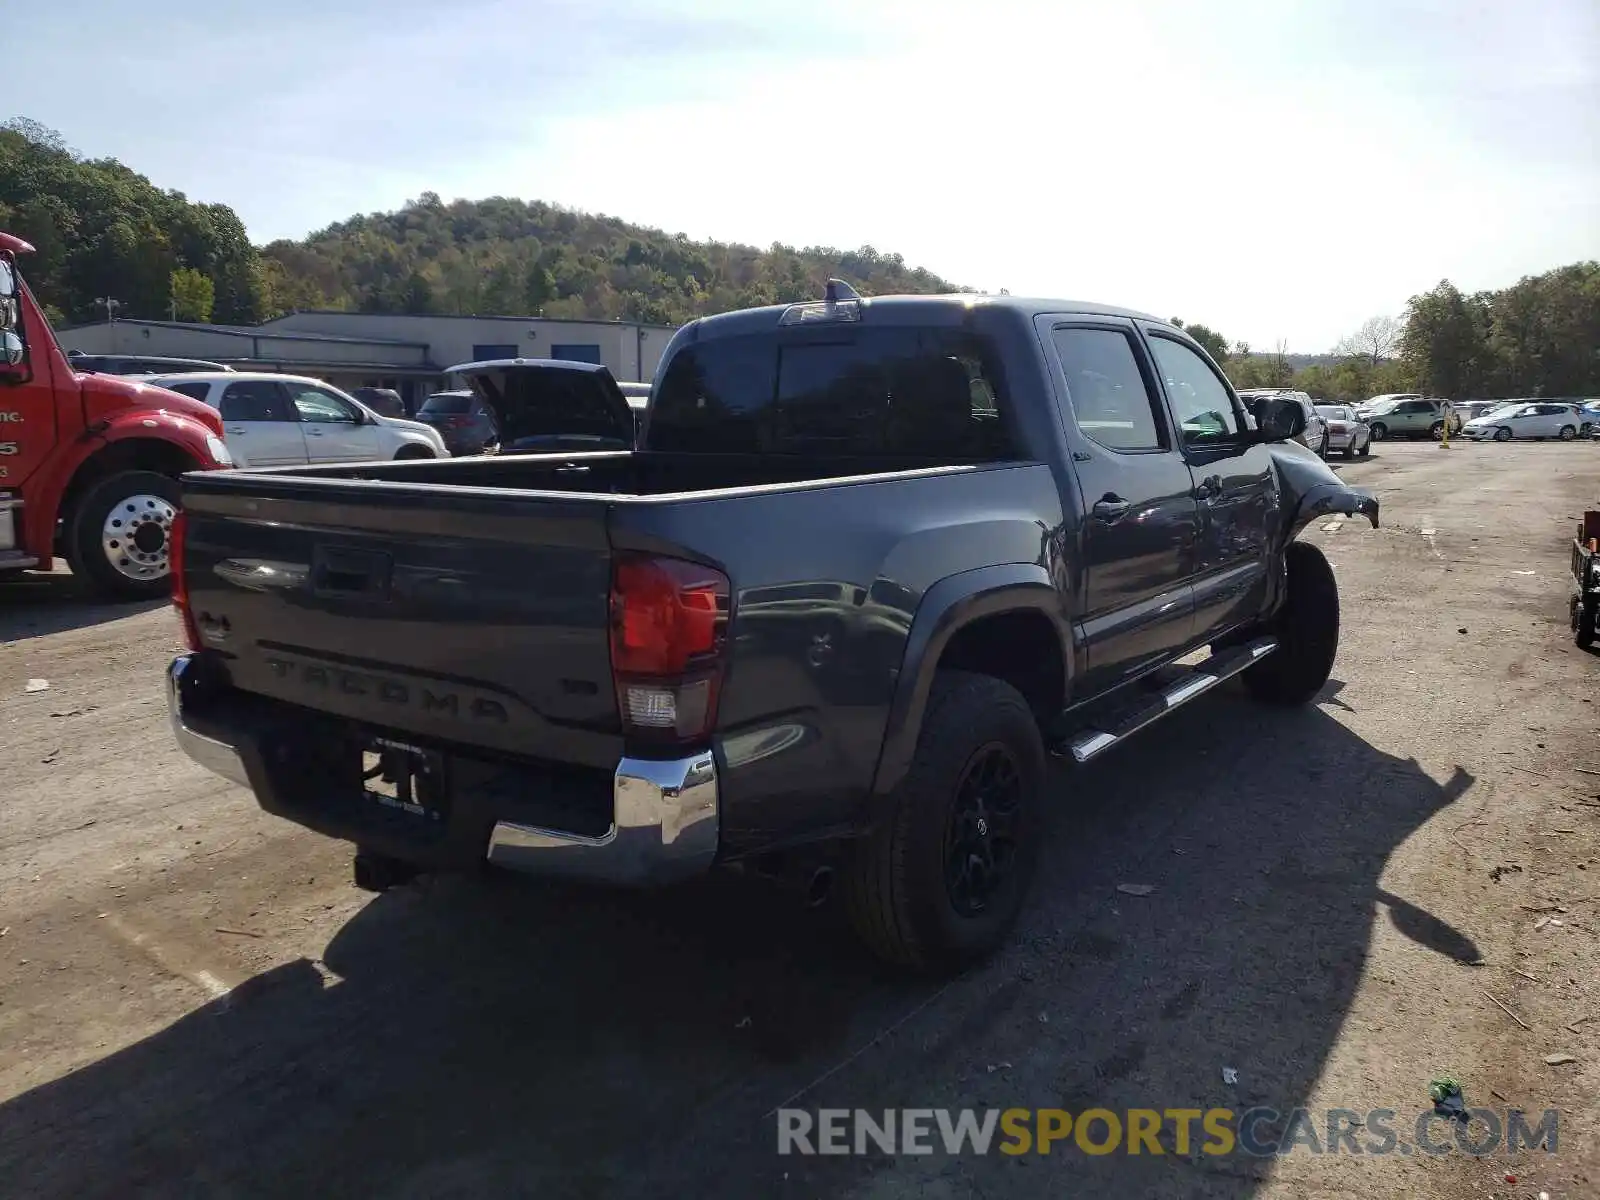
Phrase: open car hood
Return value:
(542, 404)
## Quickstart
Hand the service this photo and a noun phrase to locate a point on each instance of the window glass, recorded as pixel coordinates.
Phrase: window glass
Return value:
(1200, 402)
(319, 407)
(254, 400)
(195, 391)
(446, 404)
(1110, 401)
(929, 393)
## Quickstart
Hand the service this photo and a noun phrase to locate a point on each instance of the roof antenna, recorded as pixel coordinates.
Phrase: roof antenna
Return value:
(839, 290)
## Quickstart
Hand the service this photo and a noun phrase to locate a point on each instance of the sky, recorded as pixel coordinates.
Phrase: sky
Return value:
(1280, 171)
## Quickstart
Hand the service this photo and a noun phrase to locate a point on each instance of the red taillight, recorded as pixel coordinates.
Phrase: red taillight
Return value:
(176, 536)
(669, 620)
(457, 422)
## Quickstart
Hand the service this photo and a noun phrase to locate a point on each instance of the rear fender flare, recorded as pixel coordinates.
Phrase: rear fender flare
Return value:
(947, 607)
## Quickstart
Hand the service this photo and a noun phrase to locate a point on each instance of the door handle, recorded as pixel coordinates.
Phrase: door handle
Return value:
(313, 433)
(1209, 487)
(237, 432)
(1109, 507)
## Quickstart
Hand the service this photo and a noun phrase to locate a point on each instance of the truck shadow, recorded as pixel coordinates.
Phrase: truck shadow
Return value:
(507, 1038)
(37, 605)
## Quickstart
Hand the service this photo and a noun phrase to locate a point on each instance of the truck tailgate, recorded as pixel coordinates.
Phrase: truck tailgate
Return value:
(461, 615)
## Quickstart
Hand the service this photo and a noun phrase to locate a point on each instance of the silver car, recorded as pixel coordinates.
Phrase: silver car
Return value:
(1347, 433)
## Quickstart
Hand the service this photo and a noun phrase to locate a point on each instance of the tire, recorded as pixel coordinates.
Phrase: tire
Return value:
(411, 451)
(1379, 431)
(1502, 434)
(1568, 433)
(1582, 625)
(1350, 450)
(1366, 449)
(897, 885)
(1436, 431)
(1307, 628)
(115, 566)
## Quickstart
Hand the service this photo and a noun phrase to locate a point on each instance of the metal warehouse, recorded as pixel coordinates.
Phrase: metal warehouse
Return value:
(408, 353)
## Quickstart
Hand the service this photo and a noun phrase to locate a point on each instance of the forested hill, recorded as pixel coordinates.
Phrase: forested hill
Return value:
(103, 230)
(511, 256)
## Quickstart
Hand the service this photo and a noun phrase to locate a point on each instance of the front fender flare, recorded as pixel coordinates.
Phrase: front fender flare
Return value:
(1324, 498)
(952, 603)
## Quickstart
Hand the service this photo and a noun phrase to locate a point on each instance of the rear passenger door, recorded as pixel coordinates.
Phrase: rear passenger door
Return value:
(1138, 524)
(259, 424)
(1234, 482)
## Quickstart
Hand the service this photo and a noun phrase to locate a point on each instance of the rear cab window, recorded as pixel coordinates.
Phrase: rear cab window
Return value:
(896, 391)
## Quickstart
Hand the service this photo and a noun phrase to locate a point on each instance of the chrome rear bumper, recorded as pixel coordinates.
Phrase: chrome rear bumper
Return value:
(664, 823)
(663, 827)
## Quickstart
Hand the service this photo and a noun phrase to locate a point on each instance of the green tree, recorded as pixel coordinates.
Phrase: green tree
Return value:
(1212, 342)
(192, 295)
(1442, 344)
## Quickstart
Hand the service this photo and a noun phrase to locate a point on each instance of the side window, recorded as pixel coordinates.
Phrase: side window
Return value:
(317, 407)
(1107, 391)
(1200, 401)
(195, 391)
(254, 400)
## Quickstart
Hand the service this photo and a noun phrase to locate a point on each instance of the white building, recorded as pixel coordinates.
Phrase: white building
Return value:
(407, 353)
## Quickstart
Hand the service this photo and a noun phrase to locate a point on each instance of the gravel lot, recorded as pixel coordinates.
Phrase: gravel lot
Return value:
(195, 1000)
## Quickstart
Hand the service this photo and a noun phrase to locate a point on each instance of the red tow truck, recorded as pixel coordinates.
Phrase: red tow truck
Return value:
(89, 463)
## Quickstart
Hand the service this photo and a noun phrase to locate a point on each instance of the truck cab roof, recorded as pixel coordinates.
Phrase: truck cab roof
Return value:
(948, 310)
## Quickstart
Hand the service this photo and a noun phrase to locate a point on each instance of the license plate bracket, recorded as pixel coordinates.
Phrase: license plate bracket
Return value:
(405, 779)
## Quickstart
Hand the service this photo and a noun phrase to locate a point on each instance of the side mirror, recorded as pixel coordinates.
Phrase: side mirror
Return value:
(1279, 419)
(13, 353)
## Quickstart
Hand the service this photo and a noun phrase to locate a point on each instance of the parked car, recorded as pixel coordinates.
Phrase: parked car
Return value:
(138, 364)
(1315, 434)
(386, 402)
(1536, 419)
(797, 629)
(547, 404)
(273, 420)
(463, 419)
(1589, 416)
(1347, 433)
(1408, 416)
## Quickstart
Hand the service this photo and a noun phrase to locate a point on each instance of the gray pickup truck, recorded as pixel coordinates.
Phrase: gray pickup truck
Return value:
(872, 561)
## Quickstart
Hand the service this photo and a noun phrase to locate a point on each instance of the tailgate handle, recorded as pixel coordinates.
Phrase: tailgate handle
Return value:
(337, 572)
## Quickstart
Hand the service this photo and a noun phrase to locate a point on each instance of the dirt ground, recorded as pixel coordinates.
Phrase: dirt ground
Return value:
(195, 1000)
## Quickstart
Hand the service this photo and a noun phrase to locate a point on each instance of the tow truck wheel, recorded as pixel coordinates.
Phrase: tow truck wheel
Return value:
(1583, 623)
(941, 880)
(118, 540)
(1307, 629)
